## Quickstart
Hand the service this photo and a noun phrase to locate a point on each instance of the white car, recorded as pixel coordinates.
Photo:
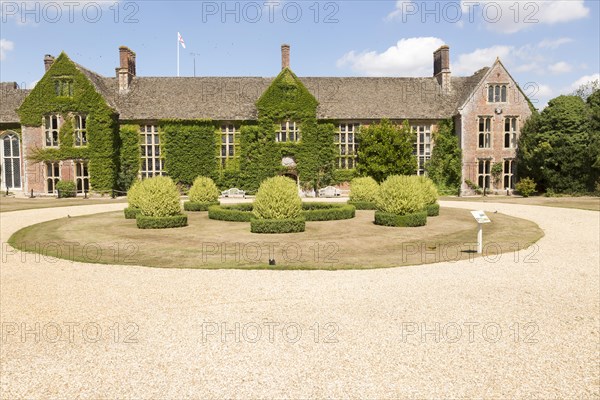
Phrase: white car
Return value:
(234, 192)
(330, 191)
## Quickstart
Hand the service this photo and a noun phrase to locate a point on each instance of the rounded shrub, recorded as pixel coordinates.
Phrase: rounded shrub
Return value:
(66, 189)
(204, 190)
(363, 190)
(400, 195)
(277, 199)
(133, 201)
(526, 187)
(430, 192)
(158, 197)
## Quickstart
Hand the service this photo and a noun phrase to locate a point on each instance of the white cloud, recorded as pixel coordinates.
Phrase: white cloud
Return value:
(527, 67)
(554, 44)
(516, 15)
(471, 62)
(560, 68)
(544, 91)
(409, 57)
(583, 80)
(5, 47)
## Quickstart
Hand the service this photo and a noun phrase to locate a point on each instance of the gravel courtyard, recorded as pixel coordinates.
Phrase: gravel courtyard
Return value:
(526, 325)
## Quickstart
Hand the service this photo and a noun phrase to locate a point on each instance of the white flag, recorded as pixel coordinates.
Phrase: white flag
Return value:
(180, 39)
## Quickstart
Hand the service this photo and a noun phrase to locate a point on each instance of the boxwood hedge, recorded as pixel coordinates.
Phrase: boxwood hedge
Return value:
(408, 220)
(327, 211)
(433, 210)
(192, 206)
(363, 205)
(131, 212)
(174, 221)
(277, 225)
(231, 213)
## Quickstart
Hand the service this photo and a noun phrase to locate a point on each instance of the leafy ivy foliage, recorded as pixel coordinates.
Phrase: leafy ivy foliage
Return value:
(444, 167)
(102, 126)
(386, 149)
(259, 158)
(130, 161)
(556, 147)
(189, 149)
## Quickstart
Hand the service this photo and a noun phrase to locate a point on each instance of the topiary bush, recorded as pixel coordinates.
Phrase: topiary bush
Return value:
(525, 187)
(278, 199)
(409, 220)
(203, 194)
(294, 225)
(66, 189)
(400, 195)
(363, 190)
(133, 201)
(430, 195)
(159, 204)
(327, 211)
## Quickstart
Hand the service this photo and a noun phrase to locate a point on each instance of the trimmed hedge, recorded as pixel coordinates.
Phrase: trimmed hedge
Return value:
(204, 191)
(433, 210)
(174, 221)
(66, 189)
(277, 198)
(233, 213)
(327, 211)
(158, 197)
(195, 207)
(400, 195)
(277, 225)
(364, 189)
(408, 220)
(363, 205)
(131, 212)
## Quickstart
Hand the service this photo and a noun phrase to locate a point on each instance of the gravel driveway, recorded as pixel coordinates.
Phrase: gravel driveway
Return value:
(523, 326)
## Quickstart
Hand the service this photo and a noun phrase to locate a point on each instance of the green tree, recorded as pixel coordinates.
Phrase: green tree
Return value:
(445, 166)
(554, 146)
(386, 149)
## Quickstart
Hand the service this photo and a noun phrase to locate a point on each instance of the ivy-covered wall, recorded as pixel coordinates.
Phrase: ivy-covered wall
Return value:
(102, 150)
(130, 160)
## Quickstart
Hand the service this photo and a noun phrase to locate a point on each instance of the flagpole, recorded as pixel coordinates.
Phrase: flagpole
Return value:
(178, 54)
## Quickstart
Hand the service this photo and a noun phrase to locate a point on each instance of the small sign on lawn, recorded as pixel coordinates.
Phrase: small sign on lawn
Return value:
(480, 217)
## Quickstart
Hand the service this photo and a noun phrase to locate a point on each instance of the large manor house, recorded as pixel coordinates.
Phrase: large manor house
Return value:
(488, 109)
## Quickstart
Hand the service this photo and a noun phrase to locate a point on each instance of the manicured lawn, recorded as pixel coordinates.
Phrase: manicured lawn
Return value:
(583, 203)
(8, 204)
(349, 244)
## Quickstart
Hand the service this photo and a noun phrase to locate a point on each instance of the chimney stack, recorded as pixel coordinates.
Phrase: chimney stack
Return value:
(441, 67)
(126, 70)
(48, 61)
(285, 56)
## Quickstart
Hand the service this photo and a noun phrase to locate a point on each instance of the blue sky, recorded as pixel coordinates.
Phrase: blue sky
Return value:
(554, 44)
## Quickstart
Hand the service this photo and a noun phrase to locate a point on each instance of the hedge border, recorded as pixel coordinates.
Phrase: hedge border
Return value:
(408, 220)
(363, 205)
(198, 207)
(174, 221)
(271, 226)
(231, 213)
(327, 211)
(131, 212)
(433, 210)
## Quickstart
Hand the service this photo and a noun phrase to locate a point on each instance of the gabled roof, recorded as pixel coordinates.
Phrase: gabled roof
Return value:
(234, 98)
(11, 97)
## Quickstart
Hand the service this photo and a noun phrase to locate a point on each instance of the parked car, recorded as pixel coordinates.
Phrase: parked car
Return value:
(330, 191)
(233, 192)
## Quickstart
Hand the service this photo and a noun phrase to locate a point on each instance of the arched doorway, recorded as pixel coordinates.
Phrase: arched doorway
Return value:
(10, 165)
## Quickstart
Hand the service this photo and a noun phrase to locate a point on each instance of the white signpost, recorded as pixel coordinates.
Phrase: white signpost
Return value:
(481, 219)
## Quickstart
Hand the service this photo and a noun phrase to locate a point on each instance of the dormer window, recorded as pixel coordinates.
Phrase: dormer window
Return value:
(51, 127)
(80, 130)
(288, 132)
(497, 93)
(63, 87)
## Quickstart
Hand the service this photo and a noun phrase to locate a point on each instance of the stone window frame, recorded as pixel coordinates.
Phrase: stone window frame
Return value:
(484, 178)
(288, 130)
(151, 152)
(347, 149)
(512, 133)
(81, 172)
(497, 93)
(51, 136)
(485, 132)
(63, 86)
(424, 156)
(51, 179)
(10, 159)
(80, 130)
(227, 146)
(508, 173)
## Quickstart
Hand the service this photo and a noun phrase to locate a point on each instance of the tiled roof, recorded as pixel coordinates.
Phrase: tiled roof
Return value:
(234, 98)
(11, 98)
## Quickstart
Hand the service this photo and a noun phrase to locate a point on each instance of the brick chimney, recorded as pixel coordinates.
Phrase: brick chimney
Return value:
(126, 69)
(441, 67)
(48, 61)
(285, 56)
